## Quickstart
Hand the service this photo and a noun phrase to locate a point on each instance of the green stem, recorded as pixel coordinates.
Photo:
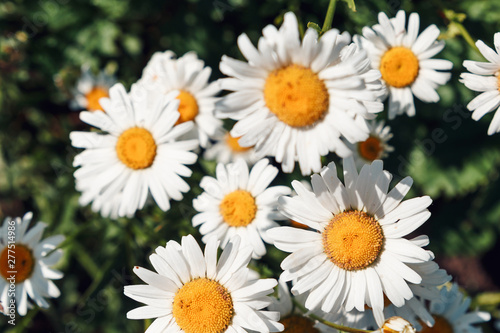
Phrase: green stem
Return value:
(327, 25)
(325, 322)
(465, 34)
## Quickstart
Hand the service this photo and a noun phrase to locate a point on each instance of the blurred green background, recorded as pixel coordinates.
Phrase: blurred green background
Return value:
(44, 43)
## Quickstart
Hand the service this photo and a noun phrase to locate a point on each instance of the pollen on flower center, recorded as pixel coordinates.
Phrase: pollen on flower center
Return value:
(19, 260)
(234, 145)
(296, 95)
(238, 208)
(298, 324)
(136, 148)
(188, 107)
(203, 306)
(441, 325)
(93, 97)
(370, 149)
(399, 67)
(353, 240)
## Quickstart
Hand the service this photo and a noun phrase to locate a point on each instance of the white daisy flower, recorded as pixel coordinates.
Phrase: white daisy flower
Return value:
(137, 155)
(485, 78)
(375, 147)
(28, 259)
(404, 60)
(189, 76)
(396, 325)
(239, 202)
(292, 318)
(294, 99)
(356, 252)
(194, 293)
(227, 150)
(90, 89)
(451, 313)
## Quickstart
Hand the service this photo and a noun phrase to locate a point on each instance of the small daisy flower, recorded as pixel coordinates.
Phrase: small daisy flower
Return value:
(137, 154)
(451, 313)
(227, 150)
(290, 317)
(194, 293)
(33, 259)
(375, 147)
(295, 99)
(396, 325)
(404, 60)
(239, 202)
(189, 76)
(485, 78)
(90, 89)
(355, 252)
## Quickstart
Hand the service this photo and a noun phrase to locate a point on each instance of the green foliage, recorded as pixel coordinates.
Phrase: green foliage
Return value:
(43, 45)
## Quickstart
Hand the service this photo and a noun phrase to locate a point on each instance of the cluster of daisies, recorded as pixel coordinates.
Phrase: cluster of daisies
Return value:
(355, 260)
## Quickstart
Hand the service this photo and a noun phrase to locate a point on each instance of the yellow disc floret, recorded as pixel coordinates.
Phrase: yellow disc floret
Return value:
(370, 149)
(353, 240)
(203, 306)
(93, 97)
(188, 107)
(234, 145)
(136, 148)
(441, 325)
(17, 262)
(298, 324)
(296, 95)
(399, 67)
(238, 208)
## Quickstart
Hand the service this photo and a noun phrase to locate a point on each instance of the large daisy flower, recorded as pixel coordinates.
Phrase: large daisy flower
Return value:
(189, 76)
(239, 202)
(451, 313)
(137, 155)
(404, 60)
(227, 150)
(193, 293)
(485, 78)
(90, 89)
(414, 310)
(27, 258)
(293, 100)
(355, 253)
(375, 147)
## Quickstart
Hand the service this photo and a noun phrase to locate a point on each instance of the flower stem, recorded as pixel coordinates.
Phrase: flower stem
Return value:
(325, 322)
(465, 34)
(327, 25)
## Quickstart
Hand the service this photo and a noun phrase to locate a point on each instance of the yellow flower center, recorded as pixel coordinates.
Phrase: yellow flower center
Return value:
(234, 145)
(371, 148)
(203, 306)
(296, 95)
(94, 96)
(399, 67)
(16, 262)
(498, 81)
(441, 325)
(136, 148)
(353, 240)
(238, 208)
(298, 324)
(188, 107)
